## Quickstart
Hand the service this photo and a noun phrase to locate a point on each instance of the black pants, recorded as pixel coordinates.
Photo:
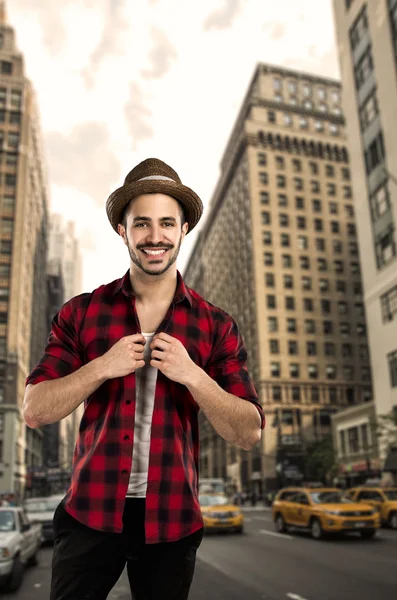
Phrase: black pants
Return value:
(88, 563)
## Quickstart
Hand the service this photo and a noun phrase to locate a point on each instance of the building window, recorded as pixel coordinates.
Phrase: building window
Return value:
(347, 350)
(282, 200)
(298, 183)
(16, 98)
(313, 168)
(10, 180)
(271, 301)
(262, 159)
(294, 370)
(355, 268)
(287, 119)
(306, 283)
(303, 242)
(349, 210)
(348, 373)
(6, 67)
(280, 162)
(369, 110)
(315, 187)
(285, 240)
(311, 348)
(344, 329)
(301, 223)
(304, 262)
(347, 191)
(281, 181)
(291, 326)
(389, 304)
(283, 220)
(299, 203)
(316, 205)
(272, 324)
(310, 326)
(266, 238)
(333, 129)
(287, 261)
(15, 118)
(324, 285)
(365, 374)
(330, 371)
(337, 247)
(11, 159)
(3, 96)
(265, 218)
(307, 90)
(329, 349)
(375, 153)
(264, 197)
(308, 104)
(308, 304)
(13, 140)
(293, 347)
(288, 282)
(364, 68)
(274, 347)
(385, 247)
(380, 201)
(296, 165)
(392, 359)
(335, 227)
(6, 247)
(325, 306)
(263, 178)
(320, 244)
(319, 125)
(277, 84)
(322, 264)
(271, 116)
(7, 225)
(269, 279)
(276, 393)
(333, 208)
(275, 370)
(312, 371)
(318, 224)
(303, 123)
(289, 303)
(359, 29)
(268, 259)
(328, 328)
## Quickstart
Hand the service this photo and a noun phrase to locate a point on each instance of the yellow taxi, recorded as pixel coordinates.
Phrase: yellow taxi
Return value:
(384, 499)
(321, 511)
(219, 514)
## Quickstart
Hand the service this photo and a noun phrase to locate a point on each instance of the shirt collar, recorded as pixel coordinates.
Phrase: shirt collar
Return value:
(182, 291)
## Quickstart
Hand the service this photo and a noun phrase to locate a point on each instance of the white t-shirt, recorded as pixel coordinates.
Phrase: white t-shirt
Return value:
(146, 378)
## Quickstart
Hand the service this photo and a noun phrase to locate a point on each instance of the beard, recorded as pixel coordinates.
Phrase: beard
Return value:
(153, 270)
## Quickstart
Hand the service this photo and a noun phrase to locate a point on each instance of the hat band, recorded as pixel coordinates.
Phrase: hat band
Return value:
(156, 177)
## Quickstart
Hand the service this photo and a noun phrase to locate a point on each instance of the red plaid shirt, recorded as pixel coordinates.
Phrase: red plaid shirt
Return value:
(84, 329)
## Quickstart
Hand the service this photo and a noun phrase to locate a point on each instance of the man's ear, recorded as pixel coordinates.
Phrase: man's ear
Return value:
(185, 227)
(121, 230)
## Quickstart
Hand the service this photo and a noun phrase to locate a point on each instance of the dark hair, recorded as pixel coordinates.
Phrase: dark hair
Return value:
(123, 219)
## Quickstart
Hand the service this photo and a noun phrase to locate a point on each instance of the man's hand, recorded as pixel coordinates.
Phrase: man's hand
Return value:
(170, 357)
(124, 357)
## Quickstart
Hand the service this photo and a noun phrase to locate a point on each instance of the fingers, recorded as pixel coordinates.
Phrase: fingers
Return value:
(139, 364)
(137, 338)
(158, 343)
(157, 355)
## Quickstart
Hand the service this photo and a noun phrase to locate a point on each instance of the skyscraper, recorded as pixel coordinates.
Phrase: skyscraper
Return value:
(367, 42)
(279, 252)
(23, 252)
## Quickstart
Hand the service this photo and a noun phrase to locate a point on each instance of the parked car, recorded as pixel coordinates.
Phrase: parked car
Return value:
(20, 541)
(219, 514)
(41, 510)
(384, 499)
(321, 511)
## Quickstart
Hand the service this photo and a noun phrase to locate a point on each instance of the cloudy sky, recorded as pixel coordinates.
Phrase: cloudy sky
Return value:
(119, 81)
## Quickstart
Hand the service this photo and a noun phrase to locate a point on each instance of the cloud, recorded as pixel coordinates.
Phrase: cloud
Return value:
(49, 16)
(161, 55)
(276, 30)
(83, 160)
(111, 41)
(137, 115)
(223, 17)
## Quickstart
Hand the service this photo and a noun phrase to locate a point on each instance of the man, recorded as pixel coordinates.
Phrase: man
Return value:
(144, 353)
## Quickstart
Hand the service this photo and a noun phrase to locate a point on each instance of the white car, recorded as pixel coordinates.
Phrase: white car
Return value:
(19, 544)
(41, 510)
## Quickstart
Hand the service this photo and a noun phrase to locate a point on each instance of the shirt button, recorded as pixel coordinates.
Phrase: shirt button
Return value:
(128, 402)
(126, 437)
(124, 471)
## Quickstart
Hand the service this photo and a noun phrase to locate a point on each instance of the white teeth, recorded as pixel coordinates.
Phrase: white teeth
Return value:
(154, 252)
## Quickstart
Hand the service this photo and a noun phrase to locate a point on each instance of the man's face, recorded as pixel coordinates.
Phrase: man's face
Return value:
(153, 233)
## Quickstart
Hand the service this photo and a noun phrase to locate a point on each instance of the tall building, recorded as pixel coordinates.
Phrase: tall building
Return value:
(279, 253)
(367, 41)
(64, 261)
(23, 251)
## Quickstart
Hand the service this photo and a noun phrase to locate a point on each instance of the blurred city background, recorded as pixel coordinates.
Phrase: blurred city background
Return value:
(282, 117)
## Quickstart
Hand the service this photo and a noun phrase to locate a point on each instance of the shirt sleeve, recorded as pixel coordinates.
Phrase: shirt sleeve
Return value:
(63, 354)
(228, 366)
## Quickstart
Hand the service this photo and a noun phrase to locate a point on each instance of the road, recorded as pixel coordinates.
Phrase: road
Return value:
(262, 564)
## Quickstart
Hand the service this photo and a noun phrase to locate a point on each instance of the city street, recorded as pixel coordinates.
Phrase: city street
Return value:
(262, 564)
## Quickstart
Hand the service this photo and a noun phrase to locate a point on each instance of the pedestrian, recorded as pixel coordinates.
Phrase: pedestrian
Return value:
(144, 353)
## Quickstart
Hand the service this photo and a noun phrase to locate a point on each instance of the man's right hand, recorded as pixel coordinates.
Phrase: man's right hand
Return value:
(124, 357)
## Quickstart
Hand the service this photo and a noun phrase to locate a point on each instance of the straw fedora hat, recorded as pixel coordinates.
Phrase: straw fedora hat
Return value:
(153, 176)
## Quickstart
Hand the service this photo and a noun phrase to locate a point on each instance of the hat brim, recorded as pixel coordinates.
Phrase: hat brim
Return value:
(118, 200)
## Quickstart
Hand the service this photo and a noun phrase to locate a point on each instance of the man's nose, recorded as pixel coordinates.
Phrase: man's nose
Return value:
(155, 234)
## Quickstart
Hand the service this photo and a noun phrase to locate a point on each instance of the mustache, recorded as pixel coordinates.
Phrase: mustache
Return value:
(154, 247)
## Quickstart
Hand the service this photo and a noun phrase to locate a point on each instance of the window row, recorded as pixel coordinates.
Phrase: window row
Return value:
(303, 243)
(8, 179)
(306, 88)
(324, 285)
(299, 185)
(284, 220)
(305, 123)
(300, 204)
(315, 395)
(303, 147)
(309, 305)
(9, 158)
(12, 140)
(297, 166)
(15, 97)
(389, 304)
(313, 371)
(312, 327)
(305, 263)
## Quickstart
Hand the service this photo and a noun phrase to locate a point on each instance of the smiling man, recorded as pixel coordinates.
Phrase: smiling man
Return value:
(144, 353)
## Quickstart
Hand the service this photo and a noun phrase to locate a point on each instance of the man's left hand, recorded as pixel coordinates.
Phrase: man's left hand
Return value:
(170, 357)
